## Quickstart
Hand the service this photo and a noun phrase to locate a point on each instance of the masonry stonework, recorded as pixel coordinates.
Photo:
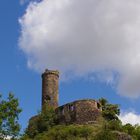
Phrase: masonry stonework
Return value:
(50, 89)
(79, 112)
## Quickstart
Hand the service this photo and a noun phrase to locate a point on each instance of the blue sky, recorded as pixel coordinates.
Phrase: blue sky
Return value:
(21, 68)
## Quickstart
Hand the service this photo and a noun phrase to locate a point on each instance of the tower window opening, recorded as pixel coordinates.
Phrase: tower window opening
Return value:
(63, 112)
(98, 106)
(71, 107)
(47, 98)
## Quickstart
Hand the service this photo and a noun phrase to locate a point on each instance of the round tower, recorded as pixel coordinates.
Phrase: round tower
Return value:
(50, 80)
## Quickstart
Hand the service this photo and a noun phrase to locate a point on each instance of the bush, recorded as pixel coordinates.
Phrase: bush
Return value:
(114, 125)
(63, 132)
(42, 122)
(104, 135)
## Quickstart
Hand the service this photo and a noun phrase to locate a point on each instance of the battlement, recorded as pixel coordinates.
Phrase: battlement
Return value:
(48, 72)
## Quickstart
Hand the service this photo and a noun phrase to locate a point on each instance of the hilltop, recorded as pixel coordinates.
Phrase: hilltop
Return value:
(46, 126)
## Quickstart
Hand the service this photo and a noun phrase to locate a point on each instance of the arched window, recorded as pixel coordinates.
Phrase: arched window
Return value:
(47, 97)
(98, 106)
(71, 107)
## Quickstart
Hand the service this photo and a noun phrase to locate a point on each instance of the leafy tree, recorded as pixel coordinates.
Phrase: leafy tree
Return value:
(136, 132)
(103, 102)
(42, 122)
(133, 131)
(128, 128)
(9, 115)
(109, 111)
(115, 125)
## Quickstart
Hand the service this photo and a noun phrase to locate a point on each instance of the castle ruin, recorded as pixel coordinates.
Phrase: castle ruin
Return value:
(79, 112)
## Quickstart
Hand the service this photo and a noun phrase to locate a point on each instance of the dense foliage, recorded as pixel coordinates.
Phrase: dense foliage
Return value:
(42, 122)
(109, 111)
(9, 113)
(75, 132)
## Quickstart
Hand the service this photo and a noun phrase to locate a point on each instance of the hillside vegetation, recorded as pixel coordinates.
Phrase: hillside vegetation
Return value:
(45, 126)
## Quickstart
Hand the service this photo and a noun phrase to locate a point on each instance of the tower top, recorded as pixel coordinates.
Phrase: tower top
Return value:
(47, 72)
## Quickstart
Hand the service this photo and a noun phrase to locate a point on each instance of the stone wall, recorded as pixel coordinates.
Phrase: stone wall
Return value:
(87, 111)
(79, 112)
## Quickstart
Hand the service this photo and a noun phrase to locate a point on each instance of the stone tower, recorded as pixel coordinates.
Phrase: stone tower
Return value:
(50, 79)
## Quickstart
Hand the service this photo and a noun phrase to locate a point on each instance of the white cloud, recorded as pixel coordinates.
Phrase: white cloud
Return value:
(85, 37)
(130, 117)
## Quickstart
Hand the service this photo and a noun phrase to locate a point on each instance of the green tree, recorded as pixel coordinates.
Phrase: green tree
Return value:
(42, 122)
(9, 115)
(136, 133)
(103, 102)
(109, 111)
(128, 128)
(114, 125)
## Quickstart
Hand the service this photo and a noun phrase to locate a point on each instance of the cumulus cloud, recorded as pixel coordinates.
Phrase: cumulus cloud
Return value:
(85, 37)
(130, 117)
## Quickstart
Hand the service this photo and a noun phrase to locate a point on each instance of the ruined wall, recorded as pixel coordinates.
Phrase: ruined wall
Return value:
(50, 81)
(80, 112)
(87, 111)
(66, 114)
